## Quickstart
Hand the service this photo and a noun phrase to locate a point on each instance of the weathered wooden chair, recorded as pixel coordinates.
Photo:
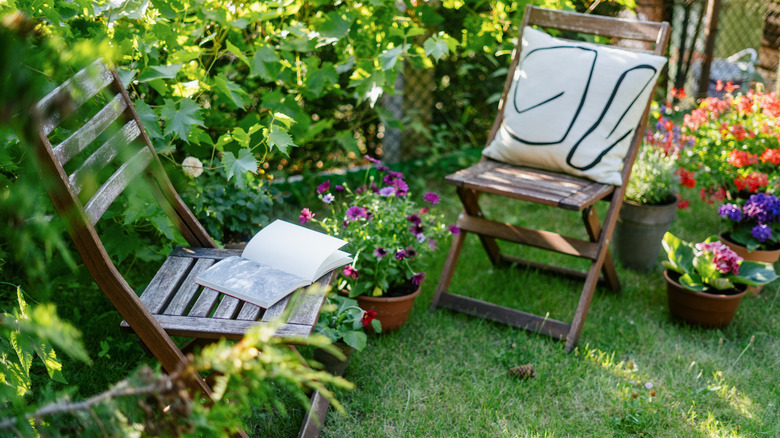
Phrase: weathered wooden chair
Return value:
(172, 304)
(565, 187)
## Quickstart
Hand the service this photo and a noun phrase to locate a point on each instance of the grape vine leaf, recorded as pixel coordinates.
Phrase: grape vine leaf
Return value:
(181, 117)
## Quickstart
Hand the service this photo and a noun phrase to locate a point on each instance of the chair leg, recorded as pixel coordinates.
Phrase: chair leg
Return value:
(313, 421)
(469, 199)
(582, 306)
(449, 268)
(593, 226)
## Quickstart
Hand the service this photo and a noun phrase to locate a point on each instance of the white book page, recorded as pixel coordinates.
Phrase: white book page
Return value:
(292, 248)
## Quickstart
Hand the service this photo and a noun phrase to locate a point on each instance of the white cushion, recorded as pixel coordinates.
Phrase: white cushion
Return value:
(574, 107)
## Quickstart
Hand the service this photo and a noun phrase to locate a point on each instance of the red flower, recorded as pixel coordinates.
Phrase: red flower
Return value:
(739, 132)
(683, 204)
(368, 316)
(771, 156)
(752, 182)
(742, 158)
(687, 178)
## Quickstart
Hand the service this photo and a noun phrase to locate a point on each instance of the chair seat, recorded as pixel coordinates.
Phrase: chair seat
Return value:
(185, 308)
(529, 184)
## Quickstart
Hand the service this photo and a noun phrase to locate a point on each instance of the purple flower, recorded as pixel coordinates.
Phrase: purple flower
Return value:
(730, 212)
(387, 191)
(453, 229)
(417, 229)
(410, 251)
(392, 176)
(350, 272)
(420, 237)
(432, 244)
(328, 198)
(418, 278)
(432, 198)
(306, 216)
(380, 252)
(413, 218)
(761, 232)
(354, 213)
(339, 188)
(400, 255)
(382, 168)
(322, 188)
(372, 159)
(762, 208)
(401, 187)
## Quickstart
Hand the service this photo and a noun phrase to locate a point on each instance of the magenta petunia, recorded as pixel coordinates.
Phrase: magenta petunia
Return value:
(355, 213)
(350, 272)
(306, 216)
(380, 252)
(432, 198)
(453, 229)
(413, 218)
(324, 187)
(401, 188)
(372, 159)
(418, 278)
(339, 188)
(400, 255)
(410, 251)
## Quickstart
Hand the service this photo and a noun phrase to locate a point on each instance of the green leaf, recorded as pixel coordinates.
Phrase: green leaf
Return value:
(265, 63)
(159, 72)
(755, 273)
(317, 80)
(181, 117)
(235, 94)
(236, 51)
(184, 54)
(436, 47)
(356, 340)
(280, 139)
(246, 162)
(389, 57)
(428, 15)
(149, 119)
(336, 25)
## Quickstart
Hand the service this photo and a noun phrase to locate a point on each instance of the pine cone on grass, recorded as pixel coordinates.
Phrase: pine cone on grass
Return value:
(522, 371)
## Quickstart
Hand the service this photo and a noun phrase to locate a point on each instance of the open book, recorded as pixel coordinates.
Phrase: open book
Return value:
(279, 259)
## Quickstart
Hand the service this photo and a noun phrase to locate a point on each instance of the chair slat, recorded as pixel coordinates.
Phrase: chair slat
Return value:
(310, 302)
(80, 88)
(104, 155)
(597, 25)
(227, 307)
(167, 280)
(119, 181)
(207, 253)
(215, 328)
(249, 312)
(205, 303)
(186, 293)
(89, 132)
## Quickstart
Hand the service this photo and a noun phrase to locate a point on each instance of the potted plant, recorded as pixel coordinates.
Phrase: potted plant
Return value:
(753, 229)
(736, 150)
(343, 322)
(706, 281)
(651, 199)
(388, 233)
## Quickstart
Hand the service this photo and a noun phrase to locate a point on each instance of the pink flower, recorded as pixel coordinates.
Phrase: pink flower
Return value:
(418, 278)
(354, 213)
(324, 187)
(726, 260)
(432, 198)
(350, 272)
(306, 216)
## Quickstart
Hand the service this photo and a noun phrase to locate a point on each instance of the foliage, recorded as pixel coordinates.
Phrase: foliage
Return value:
(737, 146)
(753, 223)
(712, 265)
(149, 403)
(386, 231)
(342, 319)
(654, 179)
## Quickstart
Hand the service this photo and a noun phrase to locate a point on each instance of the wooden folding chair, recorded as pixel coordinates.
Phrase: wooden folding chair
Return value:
(547, 188)
(113, 144)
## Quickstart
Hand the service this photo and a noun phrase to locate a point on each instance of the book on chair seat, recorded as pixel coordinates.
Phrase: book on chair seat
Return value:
(279, 259)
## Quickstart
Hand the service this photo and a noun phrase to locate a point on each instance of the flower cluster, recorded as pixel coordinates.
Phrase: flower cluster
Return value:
(755, 224)
(386, 229)
(342, 319)
(737, 144)
(712, 265)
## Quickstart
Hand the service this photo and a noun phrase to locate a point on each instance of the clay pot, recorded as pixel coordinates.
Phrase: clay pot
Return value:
(767, 256)
(704, 309)
(392, 312)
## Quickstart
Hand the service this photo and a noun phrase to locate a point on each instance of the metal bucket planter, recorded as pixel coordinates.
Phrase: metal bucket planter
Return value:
(639, 231)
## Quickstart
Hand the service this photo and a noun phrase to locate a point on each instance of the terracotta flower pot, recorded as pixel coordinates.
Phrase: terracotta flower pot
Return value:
(701, 308)
(767, 256)
(392, 312)
(331, 363)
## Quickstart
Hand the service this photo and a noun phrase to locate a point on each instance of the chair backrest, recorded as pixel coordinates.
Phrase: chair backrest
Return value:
(631, 35)
(88, 170)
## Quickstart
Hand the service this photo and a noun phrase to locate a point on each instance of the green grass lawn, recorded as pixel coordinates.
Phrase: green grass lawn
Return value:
(445, 374)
